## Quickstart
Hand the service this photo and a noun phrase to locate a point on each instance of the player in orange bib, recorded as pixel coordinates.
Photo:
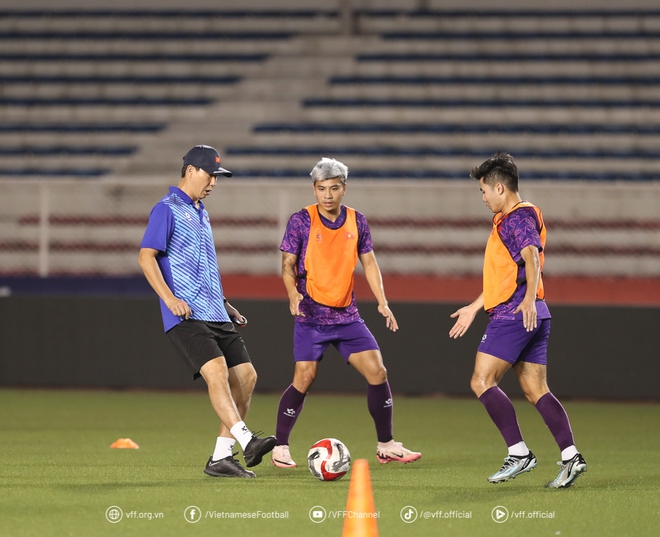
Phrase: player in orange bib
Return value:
(519, 327)
(320, 250)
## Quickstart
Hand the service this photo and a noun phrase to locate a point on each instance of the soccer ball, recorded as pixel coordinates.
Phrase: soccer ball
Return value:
(329, 459)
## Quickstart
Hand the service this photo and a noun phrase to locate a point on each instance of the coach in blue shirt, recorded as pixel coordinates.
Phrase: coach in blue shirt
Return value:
(178, 258)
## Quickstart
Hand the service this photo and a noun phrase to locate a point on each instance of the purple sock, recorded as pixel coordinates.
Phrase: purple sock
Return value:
(556, 419)
(501, 411)
(291, 404)
(379, 401)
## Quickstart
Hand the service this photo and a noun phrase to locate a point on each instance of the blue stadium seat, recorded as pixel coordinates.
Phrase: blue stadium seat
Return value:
(78, 128)
(385, 151)
(66, 150)
(105, 101)
(456, 128)
(167, 13)
(510, 57)
(283, 173)
(482, 103)
(202, 57)
(593, 80)
(140, 35)
(536, 13)
(521, 35)
(81, 173)
(125, 79)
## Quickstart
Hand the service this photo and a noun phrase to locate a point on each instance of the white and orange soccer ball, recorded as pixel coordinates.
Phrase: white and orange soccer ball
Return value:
(329, 459)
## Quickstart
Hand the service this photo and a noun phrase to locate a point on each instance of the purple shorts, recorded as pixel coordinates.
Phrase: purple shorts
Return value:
(310, 341)
(509, 341)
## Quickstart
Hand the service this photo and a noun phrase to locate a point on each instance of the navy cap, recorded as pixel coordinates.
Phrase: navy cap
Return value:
(206, 158)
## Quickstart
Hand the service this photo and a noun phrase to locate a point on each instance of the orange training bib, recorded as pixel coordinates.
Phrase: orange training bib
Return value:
(500, 270)
(330, 260)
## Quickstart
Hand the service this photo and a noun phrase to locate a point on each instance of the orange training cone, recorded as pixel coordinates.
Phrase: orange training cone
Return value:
(361, 515)
(124, 443)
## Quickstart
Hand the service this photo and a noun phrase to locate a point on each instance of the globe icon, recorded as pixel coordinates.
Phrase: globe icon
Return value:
(114, 514)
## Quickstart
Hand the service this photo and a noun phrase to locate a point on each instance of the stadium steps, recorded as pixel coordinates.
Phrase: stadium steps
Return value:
(589, 78)
(434, 151)
(380, 163)
(404, 67)
(107, 67)
(283, 100)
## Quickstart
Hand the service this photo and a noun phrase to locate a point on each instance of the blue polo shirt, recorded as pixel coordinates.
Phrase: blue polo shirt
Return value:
(182, 235)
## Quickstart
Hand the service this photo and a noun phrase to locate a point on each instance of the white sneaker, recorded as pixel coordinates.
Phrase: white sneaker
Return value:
(394, 451)
(282, 458)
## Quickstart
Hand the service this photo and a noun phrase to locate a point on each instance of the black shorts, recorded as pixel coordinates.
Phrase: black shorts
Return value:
(201, 341)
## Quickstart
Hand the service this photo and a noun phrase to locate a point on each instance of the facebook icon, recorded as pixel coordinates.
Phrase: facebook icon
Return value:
(192, 514)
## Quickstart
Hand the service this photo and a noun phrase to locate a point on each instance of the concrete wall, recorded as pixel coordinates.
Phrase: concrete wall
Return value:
(599, 215)
(604, 353)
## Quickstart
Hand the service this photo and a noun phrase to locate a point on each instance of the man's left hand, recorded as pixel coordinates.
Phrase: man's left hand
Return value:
(234, 315)
(528, 308)
(390, 320)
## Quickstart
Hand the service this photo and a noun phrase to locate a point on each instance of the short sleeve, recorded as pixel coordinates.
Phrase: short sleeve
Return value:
(520, 230)
(159, 229)
(292, 241)
(365, 244)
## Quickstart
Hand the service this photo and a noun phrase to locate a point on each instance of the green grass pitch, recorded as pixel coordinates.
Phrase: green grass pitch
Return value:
(58, 475)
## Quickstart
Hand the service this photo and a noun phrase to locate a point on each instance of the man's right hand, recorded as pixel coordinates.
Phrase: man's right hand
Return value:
(294, 304)
(179, 308)
(465, 317)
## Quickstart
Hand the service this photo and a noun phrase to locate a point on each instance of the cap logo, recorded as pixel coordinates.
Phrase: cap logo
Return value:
(217, 160)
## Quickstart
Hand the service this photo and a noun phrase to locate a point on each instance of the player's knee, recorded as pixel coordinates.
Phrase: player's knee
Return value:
(303, 379)
(533, 390)
(214, 373)
(530, 396)
(303, 384)
(474, 386)
(533, 396)
(479, 385)
(379, 376)
(251, 378)
(308, 378)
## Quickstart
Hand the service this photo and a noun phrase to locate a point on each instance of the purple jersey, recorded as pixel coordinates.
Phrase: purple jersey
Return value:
(295, 242)
(519, 230)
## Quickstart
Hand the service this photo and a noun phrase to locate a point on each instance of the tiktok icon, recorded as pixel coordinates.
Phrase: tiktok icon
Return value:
(408, 514)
